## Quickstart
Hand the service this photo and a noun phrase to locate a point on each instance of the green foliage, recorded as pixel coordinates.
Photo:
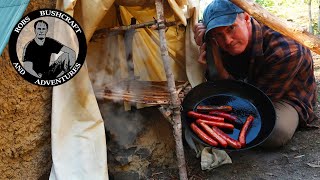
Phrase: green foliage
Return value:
(315, 27)
(265, 3)
(295, 10)
(283, 3)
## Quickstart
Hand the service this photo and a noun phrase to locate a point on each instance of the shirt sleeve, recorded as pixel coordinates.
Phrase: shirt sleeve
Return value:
(26, 53)
(54, 45)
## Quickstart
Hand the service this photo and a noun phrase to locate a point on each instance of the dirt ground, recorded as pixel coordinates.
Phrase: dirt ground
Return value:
(300, 159)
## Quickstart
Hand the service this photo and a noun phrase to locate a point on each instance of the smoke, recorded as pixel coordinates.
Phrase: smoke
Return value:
(124, 126)
(108, 68)
(106, 60)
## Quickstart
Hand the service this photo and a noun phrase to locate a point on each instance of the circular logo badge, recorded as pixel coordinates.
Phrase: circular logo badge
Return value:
(47, 47)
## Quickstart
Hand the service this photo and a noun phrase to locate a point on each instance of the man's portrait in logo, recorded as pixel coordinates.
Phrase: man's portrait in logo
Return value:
(37, 53)
(47, 47)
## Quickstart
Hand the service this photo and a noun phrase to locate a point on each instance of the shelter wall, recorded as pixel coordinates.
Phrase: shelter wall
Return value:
(25, 111)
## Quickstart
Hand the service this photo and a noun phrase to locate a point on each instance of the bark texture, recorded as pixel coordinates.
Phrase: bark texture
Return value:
(300, 35)
(176, 117)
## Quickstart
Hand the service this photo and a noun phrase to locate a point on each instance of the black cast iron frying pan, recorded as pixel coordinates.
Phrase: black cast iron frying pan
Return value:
(244, 98)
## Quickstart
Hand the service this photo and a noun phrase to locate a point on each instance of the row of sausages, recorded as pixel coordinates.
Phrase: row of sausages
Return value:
(210, 120)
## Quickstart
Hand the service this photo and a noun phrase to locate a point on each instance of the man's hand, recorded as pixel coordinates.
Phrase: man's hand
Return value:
(71, 59)
(202, 56)
(199, 29)
(28, 65)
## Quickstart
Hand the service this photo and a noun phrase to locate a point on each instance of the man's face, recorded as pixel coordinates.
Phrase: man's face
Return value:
(41, 30)
(235, 38)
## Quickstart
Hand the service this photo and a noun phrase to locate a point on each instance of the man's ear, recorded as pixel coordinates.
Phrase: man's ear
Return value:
(246, 17)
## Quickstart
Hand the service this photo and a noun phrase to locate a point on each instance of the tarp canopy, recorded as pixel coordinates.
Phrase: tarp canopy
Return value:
(107, 57)
(10, 13)
(78, 139)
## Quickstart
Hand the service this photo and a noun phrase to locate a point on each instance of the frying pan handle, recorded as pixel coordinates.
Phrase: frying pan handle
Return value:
(211, 71)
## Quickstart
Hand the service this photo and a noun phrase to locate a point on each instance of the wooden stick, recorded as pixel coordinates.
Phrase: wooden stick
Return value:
(128, 38)
(102, 97)
(120, 29)
(173, 93)
(142, 25)
(260, 14)
(180, 88)
(140, 93)
(143, 97)
(166, 113)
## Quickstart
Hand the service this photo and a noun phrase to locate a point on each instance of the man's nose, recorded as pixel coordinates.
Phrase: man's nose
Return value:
(227, 39)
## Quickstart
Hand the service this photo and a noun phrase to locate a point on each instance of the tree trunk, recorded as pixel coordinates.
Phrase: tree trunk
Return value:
(310, 17)
(288, 29)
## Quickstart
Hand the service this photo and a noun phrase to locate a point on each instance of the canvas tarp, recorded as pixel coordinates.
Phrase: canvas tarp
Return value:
(78, 139)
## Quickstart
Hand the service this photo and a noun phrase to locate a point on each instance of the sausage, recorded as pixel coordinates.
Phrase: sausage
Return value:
(202, 135)
(224, 115)
(217, 124)
(244, 130)
(202, 108)
(231, 142)
(196, 115)
(214, 135)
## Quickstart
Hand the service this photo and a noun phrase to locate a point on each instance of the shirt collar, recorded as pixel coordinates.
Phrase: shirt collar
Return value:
(257, 39)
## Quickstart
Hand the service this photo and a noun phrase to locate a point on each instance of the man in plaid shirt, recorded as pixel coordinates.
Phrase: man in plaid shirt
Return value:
(277, 65)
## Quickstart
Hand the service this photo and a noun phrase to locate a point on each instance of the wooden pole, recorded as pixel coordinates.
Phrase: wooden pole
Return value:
(176, 116)
(288, 29)
(142, 25)
(101, 33)
(128, 38)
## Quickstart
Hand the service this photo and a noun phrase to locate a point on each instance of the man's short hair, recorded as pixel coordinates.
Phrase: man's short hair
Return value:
(40, 21)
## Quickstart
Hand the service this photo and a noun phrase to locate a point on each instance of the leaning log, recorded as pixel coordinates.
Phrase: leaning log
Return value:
(284, 27)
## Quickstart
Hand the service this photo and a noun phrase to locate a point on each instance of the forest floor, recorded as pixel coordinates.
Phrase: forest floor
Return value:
(298, 160)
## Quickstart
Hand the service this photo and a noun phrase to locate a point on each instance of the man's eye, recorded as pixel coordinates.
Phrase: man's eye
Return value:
(231, 29)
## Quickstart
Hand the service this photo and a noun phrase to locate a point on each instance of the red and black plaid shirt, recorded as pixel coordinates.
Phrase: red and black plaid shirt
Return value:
(283, 69)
